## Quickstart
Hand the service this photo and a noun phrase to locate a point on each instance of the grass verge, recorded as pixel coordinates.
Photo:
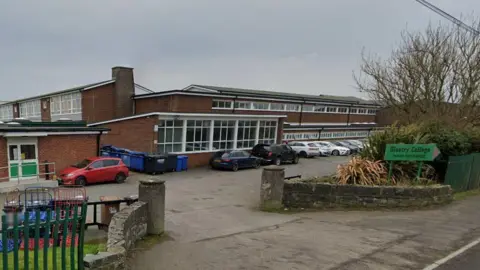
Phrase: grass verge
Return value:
(457, 196)
(87, 249)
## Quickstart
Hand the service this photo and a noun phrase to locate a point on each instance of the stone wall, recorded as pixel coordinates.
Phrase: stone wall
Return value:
(127, 226)
(324, 195)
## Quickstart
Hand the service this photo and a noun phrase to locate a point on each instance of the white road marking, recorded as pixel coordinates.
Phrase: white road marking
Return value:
(452, 255)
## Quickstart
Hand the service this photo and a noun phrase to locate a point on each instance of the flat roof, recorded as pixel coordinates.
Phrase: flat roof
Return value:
(20, 125)
(232, 93)
(173, 114)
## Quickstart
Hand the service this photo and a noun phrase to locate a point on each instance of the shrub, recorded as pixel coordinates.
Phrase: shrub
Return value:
(360, 171)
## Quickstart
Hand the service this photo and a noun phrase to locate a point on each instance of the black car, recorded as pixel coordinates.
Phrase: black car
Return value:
(275, 153)
(234, 160)
(353, 149)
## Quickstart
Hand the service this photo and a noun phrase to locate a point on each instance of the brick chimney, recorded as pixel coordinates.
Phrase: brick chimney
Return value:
(124, 90)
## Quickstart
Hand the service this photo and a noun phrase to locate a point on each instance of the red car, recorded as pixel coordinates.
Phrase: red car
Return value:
(94, 170)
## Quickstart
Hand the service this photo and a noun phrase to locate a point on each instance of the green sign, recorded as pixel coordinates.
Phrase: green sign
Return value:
(411, 152)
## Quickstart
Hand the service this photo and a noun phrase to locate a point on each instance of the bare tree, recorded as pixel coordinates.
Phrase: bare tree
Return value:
(433, 74)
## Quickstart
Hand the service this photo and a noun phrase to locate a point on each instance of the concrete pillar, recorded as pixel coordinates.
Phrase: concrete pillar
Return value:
(271, 190)
(152, 191)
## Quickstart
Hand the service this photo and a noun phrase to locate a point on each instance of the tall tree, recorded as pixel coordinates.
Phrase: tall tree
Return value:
(434, 74)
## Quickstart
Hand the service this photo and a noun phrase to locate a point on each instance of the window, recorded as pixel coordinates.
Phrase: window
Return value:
(308, 108)
(246, 133)
(260, 105)
(223, 134)
(332, 109)
(278, 106)
(292, 107)
(243, 104)
(27, 151)
(221, 104)
(97, 164)
(66, 104)
(170, 136)
(198, 135)
(6, 112)
(353, 110)
(319, 108)
(372, 111)
(110, 162)
(30, 109)
(267, 132)
(342, 109)
(362, 111)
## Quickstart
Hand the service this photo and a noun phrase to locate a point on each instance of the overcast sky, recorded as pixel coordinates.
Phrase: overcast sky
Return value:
(301, 46)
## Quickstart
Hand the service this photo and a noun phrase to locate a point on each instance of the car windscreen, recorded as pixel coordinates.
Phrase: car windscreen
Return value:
(82, 164)
(226, 155)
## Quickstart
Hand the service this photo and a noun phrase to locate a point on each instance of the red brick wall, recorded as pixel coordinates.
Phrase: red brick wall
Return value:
(45, 109)
(199, 159)
(66, 150)
(98, 104)
(157, 104)
(135, 134)
(197, 104)
(3, 159)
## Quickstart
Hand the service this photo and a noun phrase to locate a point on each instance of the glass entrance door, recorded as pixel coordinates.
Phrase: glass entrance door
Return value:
(22, 158)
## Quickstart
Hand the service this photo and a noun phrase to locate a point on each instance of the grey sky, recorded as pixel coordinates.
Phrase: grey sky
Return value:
(302, 46)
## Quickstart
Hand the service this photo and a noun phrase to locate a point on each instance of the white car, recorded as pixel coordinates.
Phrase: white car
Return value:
(357, 143)
(305, 149)
(335, 150)
(324, 150)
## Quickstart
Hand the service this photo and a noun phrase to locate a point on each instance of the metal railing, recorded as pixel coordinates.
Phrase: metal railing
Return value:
(105, 203)
(293, 177)
(47, 174)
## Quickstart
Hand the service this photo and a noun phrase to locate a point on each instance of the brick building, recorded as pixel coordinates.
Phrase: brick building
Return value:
(28, 148)
(197, 119)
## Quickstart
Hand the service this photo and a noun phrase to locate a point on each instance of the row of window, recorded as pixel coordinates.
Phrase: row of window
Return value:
(66, 104)
(209, 135)
(267, 106)
(59, 105)
(30, 109)
(325, 135)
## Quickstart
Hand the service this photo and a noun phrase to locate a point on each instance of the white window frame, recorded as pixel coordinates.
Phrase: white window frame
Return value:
(66, 104)
(246, 129)
(6, 112)
(260, 106)
(30, 109)
(246, 105)
(219, 101)
(173, 128)
(203, 126)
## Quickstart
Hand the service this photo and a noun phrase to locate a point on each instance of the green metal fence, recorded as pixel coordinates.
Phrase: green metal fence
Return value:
(44, 239)
(463, 172)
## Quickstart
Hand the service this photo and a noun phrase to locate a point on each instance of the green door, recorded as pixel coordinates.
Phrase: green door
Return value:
(23, 160)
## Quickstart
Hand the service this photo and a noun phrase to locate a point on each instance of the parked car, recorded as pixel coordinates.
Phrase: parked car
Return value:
(335, 150)
(94, 170)
(357, 143)
(234, 160)
(323, 150)
(305, 149)
(353, 149)
(275, 153)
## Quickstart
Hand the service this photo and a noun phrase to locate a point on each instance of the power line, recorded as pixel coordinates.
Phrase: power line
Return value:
(448, 16)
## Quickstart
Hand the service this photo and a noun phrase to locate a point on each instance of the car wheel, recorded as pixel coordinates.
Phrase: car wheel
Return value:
(278, 161)
(257, 164)
(295, 160)
(303, 154)
(81, 181)
(235, 167)
(120, 178)
(335, 153)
